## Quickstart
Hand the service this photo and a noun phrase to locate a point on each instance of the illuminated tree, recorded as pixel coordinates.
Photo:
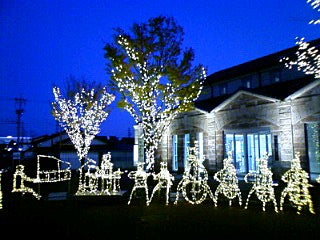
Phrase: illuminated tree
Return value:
(308, 57)
(155, 79)
(82, 116)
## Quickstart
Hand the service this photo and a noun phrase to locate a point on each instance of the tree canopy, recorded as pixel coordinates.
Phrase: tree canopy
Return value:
(154, 75)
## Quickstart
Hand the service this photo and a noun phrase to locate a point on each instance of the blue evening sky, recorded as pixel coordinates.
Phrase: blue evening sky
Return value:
(42, 42)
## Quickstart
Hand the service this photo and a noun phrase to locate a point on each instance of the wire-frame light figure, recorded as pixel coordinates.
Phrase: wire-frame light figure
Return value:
(140, 178)
(263, 185)
(165, 180)
(297, 188)
(228, 181)
(193, 185)
(19, 180)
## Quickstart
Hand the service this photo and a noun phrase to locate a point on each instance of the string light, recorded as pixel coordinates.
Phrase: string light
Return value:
(81, 118)
(193, 185)
(308, 57)
(262, 184)
(50, 176)
(140, 178)
(228, 181)
(165, 180)
(100, 180)
(297, 188)
(19, 179)
(152, 103)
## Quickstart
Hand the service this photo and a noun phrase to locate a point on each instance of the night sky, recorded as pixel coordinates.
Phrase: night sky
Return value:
(43, 42)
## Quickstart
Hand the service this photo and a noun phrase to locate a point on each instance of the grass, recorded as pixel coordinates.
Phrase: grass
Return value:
(106, 217)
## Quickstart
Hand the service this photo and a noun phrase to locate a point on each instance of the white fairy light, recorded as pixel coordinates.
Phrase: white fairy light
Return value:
(152, 104)
(308, 57)
(81, 117)
(193, 185)
(53, 175)
(228, 181)
(19, 179)
(100, 180)
(165, 180)
(315, 4)
(140, 178)
(262, 184)
(297, 188)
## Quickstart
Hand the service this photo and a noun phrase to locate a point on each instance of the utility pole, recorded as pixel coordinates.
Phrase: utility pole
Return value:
(19, 111)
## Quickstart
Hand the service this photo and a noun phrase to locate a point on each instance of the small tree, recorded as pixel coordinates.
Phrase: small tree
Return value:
(308, 57)
(155, 78)
(81, 114)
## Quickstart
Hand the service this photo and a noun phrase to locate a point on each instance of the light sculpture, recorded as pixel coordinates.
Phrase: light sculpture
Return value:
(19, 181)
(81, 118)
(228, 181)
(165, 180)
(55, 175)
(99, 180)
(262, 184)
(297, 188)
(140, 178)
(193, 185)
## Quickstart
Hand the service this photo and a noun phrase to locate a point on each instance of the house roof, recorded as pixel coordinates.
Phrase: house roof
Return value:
(279, 91)
(255, 65)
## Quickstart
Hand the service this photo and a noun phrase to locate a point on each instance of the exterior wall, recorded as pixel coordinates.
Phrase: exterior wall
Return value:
(284, 119)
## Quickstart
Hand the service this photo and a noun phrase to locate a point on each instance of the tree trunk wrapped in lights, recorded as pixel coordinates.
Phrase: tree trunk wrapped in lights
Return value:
(297, 188)
(155, 79)
(81, 117)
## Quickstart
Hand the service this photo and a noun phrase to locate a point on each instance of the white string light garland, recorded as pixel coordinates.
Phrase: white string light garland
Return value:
(140, 178)
(165, 180)
(228, 181)
(262, 184)
(297, 188)
(193, 185)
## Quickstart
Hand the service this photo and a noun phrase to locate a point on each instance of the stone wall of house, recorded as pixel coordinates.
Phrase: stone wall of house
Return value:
(285, 119)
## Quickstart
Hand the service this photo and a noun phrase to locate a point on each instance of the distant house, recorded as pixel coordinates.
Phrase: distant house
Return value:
(251, 109)
(60, 146)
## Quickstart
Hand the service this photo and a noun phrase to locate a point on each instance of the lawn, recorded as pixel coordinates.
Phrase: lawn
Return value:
(107, 217)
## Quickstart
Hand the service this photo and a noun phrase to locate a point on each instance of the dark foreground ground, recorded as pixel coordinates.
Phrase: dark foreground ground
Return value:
(110, 217)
